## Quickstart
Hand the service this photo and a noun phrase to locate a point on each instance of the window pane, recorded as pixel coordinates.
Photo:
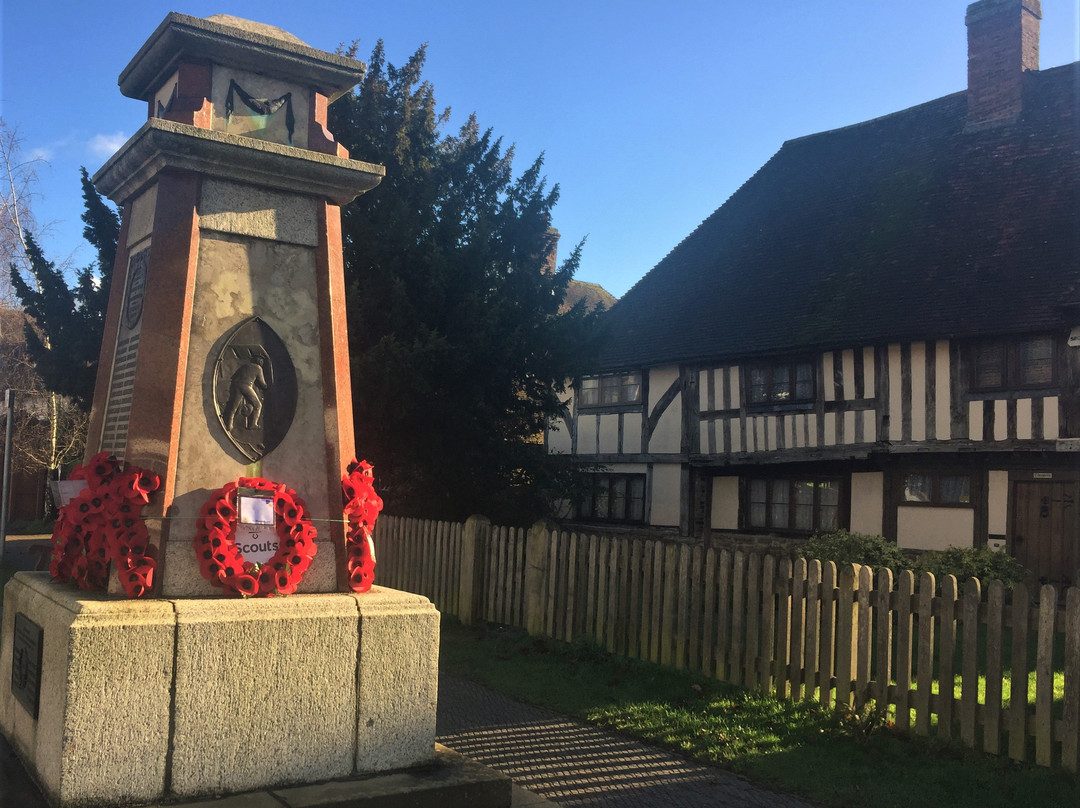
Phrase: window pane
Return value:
(917, 488)
(618, 498)
(990, 365)
(590, 392)
(586, 509)
(781, 383)
(956, 490)
(778, 510)
(828, 518)
(829, 493)
(1036, 362)
(631, 388)
(609, 390)
(759, 379)
(804, 381)
(637, 498)
(804, 504)
(804, 492)
(757, 503)
(602, 511)
(757, 515)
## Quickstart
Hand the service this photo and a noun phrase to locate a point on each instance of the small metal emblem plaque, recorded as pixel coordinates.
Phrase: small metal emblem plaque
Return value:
(136, 288)
(26, 663)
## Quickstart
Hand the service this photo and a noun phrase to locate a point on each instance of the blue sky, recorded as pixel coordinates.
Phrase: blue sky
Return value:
(649, 114)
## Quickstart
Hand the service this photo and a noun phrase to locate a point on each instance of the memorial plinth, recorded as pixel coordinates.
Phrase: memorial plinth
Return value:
(147, 700)
(223, 385)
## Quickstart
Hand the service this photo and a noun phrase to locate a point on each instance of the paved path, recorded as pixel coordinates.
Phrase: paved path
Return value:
(574, 763)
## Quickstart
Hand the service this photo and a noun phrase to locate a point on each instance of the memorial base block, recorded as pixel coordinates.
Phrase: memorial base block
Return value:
(153, 700)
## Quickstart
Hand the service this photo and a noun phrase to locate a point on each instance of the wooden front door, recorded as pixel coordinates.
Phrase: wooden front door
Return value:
(1044, 529)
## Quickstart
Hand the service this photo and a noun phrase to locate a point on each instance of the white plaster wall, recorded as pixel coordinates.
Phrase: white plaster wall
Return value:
(558, 438)
(998, 505)
(626, 468)
(896, 408)
(667, 437)
(586, 434)
(847, 363)
(725, 503)
(631, 433)
(1050, 418)
(867, 502)
(609, 433)
(934, 528)
(918, 391)
(666, 487)
(943, 391)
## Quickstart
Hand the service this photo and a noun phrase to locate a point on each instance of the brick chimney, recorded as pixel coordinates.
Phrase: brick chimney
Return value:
(1003, 42)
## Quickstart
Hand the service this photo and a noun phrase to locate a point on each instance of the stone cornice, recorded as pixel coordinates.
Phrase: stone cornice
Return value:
(182, 37)
(162, 144)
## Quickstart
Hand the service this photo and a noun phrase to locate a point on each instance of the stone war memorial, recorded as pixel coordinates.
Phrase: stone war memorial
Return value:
(209, 624)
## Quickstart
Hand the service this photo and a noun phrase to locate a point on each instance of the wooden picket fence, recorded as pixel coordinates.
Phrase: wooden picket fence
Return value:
(850, 639)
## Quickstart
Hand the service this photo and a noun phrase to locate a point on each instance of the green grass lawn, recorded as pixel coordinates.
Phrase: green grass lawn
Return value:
(795, 747)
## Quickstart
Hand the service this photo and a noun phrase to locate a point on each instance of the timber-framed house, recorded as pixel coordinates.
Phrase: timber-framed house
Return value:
(879, 331)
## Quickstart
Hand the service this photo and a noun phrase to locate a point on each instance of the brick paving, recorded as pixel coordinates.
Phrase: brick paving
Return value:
(574, 763)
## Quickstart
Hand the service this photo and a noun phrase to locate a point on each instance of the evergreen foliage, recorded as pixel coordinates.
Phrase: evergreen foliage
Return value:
(64, 339)
(844, 547)
(458, 349)
(983, 563)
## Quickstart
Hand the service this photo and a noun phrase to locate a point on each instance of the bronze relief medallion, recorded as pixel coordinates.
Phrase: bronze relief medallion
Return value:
(254, 389)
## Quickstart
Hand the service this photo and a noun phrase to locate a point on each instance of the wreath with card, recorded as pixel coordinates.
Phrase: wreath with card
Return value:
(221, 560)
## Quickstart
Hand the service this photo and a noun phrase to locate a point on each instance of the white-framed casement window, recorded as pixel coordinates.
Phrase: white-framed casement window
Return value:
(614, 498)
(780, 383)
(804, 504)
(611, 389)
(1026, 363)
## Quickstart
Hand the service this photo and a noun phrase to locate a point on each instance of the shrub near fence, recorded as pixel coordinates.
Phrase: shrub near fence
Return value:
(852, 638)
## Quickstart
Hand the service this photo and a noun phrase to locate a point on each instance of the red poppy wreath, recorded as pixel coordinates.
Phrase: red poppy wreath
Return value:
(104, 523)
(362, 506)
(222, 563)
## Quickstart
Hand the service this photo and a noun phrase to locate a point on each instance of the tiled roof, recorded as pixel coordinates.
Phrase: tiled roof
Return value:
(592, 293)
(903, 227)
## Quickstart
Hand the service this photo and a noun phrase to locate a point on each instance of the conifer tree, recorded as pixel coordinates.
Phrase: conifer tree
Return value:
(458, 348)
(65, 337)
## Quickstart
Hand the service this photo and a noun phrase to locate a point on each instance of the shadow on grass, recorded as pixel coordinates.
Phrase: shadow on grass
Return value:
(797, 747)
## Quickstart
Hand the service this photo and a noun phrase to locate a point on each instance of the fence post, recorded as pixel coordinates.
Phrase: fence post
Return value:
(475, 539)
(537, 547)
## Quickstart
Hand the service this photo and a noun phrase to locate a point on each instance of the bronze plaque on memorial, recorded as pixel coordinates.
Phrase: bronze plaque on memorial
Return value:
(254, 389)
(26, 663)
